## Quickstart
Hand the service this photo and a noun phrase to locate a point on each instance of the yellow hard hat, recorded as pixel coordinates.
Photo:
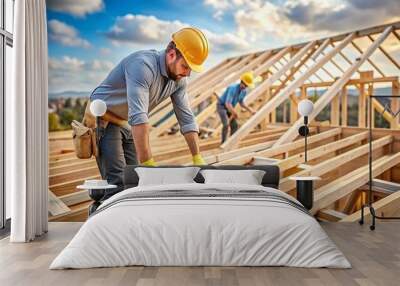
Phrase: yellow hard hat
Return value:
(248, 79)
(193, 45)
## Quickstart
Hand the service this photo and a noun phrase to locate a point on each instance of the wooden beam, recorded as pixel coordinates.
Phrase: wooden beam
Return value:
(351, 201)
(397, 35)
(272, 60)
(324, 167)
(378, 107)
(386, 53)
(75, 198)
(388, 206)
(293, 108)
(344, 99)
(344, 185)
(281, 97)
(355, 81)
(335, 111)
(320, 49)
(315, 153)
(359, 34)
(57, 206)
(204, 114)
(333, 90)
(224, 73)
(274, 77)
(395, 105)
(387, 185)
(242, 159)
(330, 215)
(369, 60)
(362, 106)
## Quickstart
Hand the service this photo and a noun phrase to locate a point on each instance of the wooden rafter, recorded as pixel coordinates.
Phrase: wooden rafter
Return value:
(334, 89)
(348, 183)
(386, 53)
(315, 153)
(388, 206)
(233, 157)
(282, 96)
(369, 60)
(331, 164)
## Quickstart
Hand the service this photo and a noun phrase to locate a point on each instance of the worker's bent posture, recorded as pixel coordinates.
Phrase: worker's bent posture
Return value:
(134, 88)
(234, 94)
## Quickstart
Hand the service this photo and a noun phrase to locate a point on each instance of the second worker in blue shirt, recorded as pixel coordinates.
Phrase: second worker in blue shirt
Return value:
(233, 95)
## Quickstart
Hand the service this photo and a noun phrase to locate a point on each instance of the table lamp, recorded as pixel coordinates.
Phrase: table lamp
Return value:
(305, 108)
(98, 108)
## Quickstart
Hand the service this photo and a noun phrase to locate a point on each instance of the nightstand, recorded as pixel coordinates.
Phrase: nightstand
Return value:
(96, 193)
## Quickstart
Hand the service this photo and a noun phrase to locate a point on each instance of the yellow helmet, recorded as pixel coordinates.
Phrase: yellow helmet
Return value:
(193, 45)
(248, 79)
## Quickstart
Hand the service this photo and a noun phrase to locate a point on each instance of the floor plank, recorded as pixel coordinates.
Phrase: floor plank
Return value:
(375, 257)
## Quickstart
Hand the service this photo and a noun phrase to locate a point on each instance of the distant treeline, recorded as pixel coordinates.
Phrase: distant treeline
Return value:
(63, 111)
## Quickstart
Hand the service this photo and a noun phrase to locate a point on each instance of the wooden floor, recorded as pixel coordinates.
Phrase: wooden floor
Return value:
(375, 257)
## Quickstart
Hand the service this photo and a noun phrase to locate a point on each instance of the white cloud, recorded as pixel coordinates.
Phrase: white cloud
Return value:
(145, 30)
(142, 29)
(70, 73)
(218, 4)
(77, 8)
(65, 34)
(296, 20)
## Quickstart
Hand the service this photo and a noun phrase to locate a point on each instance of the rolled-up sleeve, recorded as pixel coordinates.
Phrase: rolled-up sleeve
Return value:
(183, 112)
(138, 76)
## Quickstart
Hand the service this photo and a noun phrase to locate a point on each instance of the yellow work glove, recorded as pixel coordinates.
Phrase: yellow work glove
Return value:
(149, 162)
(198, 160)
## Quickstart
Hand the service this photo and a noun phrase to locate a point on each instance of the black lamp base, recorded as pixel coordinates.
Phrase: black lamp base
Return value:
(96, 195)
(305, 193)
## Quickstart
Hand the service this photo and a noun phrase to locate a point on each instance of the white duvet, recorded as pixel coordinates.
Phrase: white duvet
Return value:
(183, 231)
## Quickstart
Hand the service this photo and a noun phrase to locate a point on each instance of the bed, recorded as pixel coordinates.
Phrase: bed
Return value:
(201, 224)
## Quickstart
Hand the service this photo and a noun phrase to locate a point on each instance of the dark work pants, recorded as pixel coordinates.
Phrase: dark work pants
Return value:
(116, 151)
(224, 114)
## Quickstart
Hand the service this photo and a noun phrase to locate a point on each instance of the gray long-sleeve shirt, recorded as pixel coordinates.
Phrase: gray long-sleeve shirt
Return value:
(138, 84)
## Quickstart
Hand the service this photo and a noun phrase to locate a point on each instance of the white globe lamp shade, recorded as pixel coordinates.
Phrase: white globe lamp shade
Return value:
(305, 107)
(98, 107)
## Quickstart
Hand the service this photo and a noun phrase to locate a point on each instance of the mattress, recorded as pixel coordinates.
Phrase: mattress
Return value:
(201, 225)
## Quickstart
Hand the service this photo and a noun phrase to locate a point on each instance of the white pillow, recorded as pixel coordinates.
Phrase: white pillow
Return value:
(249, 177)
(162, 176)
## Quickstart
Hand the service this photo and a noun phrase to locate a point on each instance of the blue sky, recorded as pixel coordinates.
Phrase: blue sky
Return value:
(88, 37)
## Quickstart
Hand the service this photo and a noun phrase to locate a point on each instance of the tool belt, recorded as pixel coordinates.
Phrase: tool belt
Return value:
(84, 135)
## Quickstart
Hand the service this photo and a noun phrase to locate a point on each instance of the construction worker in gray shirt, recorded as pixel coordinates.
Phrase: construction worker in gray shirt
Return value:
(133, 89)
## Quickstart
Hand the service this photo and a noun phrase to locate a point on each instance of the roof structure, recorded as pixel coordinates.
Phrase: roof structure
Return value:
(341, 70)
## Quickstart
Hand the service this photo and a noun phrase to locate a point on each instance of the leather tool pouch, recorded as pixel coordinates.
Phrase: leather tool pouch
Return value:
(84, 139)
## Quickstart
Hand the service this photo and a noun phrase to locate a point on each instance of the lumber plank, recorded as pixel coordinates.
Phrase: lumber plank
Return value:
(328, 165)
(232, 157)
(57, 206)
(389, 206)
(343, 186)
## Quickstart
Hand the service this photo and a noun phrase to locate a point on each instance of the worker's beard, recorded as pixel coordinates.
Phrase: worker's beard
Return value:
(171, 71)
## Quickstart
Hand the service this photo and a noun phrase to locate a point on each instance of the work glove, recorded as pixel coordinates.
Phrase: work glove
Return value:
(149, 162)
(198, 160)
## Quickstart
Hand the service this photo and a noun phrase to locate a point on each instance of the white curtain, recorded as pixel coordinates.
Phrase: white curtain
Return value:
(27, 124)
